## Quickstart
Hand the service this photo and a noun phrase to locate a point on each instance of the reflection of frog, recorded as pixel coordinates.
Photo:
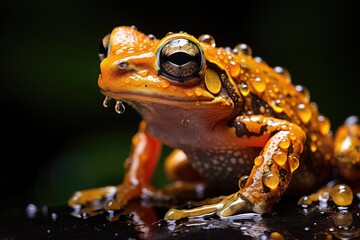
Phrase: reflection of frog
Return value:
(234, 122)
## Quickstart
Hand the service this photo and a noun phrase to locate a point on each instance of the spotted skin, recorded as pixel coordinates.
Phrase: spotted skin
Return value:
(235, 123)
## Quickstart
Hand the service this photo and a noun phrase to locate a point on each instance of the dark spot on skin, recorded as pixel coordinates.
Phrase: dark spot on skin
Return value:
(241, 129)
(283, 174)
(145, 85)
(266, 189)
(290, 149)
(257, 103)
(357, 148)
(262, 130)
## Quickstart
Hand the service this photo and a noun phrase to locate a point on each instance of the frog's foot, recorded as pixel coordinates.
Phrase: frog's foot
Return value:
(116, 197)
(127, 192)
(91, 195)
(340, 194)
(222, 206)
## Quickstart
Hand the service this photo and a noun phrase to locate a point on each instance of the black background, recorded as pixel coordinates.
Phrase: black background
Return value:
(57, 137)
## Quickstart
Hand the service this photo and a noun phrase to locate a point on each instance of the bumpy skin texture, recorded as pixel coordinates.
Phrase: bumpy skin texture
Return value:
(235, 122)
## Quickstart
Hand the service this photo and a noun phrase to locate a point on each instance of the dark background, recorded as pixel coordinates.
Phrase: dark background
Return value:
(57, 137)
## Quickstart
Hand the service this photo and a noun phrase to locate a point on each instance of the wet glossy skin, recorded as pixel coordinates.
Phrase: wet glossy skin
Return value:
(234, 122)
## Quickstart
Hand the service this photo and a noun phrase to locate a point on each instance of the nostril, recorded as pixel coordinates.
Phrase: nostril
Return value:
(123, 65)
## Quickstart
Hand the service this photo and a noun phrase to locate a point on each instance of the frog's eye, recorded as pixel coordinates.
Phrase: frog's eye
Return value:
(104, 47)
(180, 60)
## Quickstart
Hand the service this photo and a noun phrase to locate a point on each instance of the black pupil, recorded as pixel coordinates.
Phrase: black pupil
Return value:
(180, 58)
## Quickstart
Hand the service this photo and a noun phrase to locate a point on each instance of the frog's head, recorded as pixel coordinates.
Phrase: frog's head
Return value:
(175, 74)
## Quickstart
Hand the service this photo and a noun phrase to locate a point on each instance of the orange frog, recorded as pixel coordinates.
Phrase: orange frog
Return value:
(235, 123)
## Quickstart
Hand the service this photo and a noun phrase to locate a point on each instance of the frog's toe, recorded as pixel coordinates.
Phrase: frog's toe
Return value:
(91, 195)
(127, 192)
(233, 205)
(227, 206)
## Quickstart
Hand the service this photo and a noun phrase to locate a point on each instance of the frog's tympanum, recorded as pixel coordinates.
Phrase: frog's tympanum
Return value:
(234, 122)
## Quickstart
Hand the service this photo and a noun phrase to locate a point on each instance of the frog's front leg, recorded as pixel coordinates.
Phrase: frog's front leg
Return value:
(139, 168)
(270, 176)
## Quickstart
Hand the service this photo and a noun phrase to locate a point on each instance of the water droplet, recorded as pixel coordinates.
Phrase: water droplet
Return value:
(351, 120)
(314, 137)
(133, 27)
(304, 91)
(259, 84)
(164, 84)
(234, 69)
(324, 124)
(244, 89)
(262, 109)
(258, 161)
(276, 106)
(342, 219)
(228, 50)
(304, 112)
(31, 210)
(341, 194)
(208, 39)
(151, 36)
(276, 236)
(198, 91)
(106, 101)
(313, 146)
(293, 163)
(169, 33)
(54, 216)
(130, 50)
(119, 107)
(280, 158)
(271, 180)
(143, 73)
(284, 143)
(292, 136)
(242, 181)
(305, 201)
(189, 92)
(259, 59)
(242, 49)
(284, 72)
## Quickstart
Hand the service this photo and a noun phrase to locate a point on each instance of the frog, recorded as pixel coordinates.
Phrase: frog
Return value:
(234, 122)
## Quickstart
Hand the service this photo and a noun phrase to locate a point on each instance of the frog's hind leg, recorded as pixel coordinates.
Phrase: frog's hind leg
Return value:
(269, 177)
(186, 180)
(347, 149)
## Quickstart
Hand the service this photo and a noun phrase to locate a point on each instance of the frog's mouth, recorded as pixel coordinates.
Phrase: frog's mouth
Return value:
(193, 101)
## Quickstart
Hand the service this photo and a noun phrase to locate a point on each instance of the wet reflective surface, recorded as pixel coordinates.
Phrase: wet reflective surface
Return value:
(143, 220)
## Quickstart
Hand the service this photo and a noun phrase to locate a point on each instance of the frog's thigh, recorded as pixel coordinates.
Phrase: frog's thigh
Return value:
(177, 167)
